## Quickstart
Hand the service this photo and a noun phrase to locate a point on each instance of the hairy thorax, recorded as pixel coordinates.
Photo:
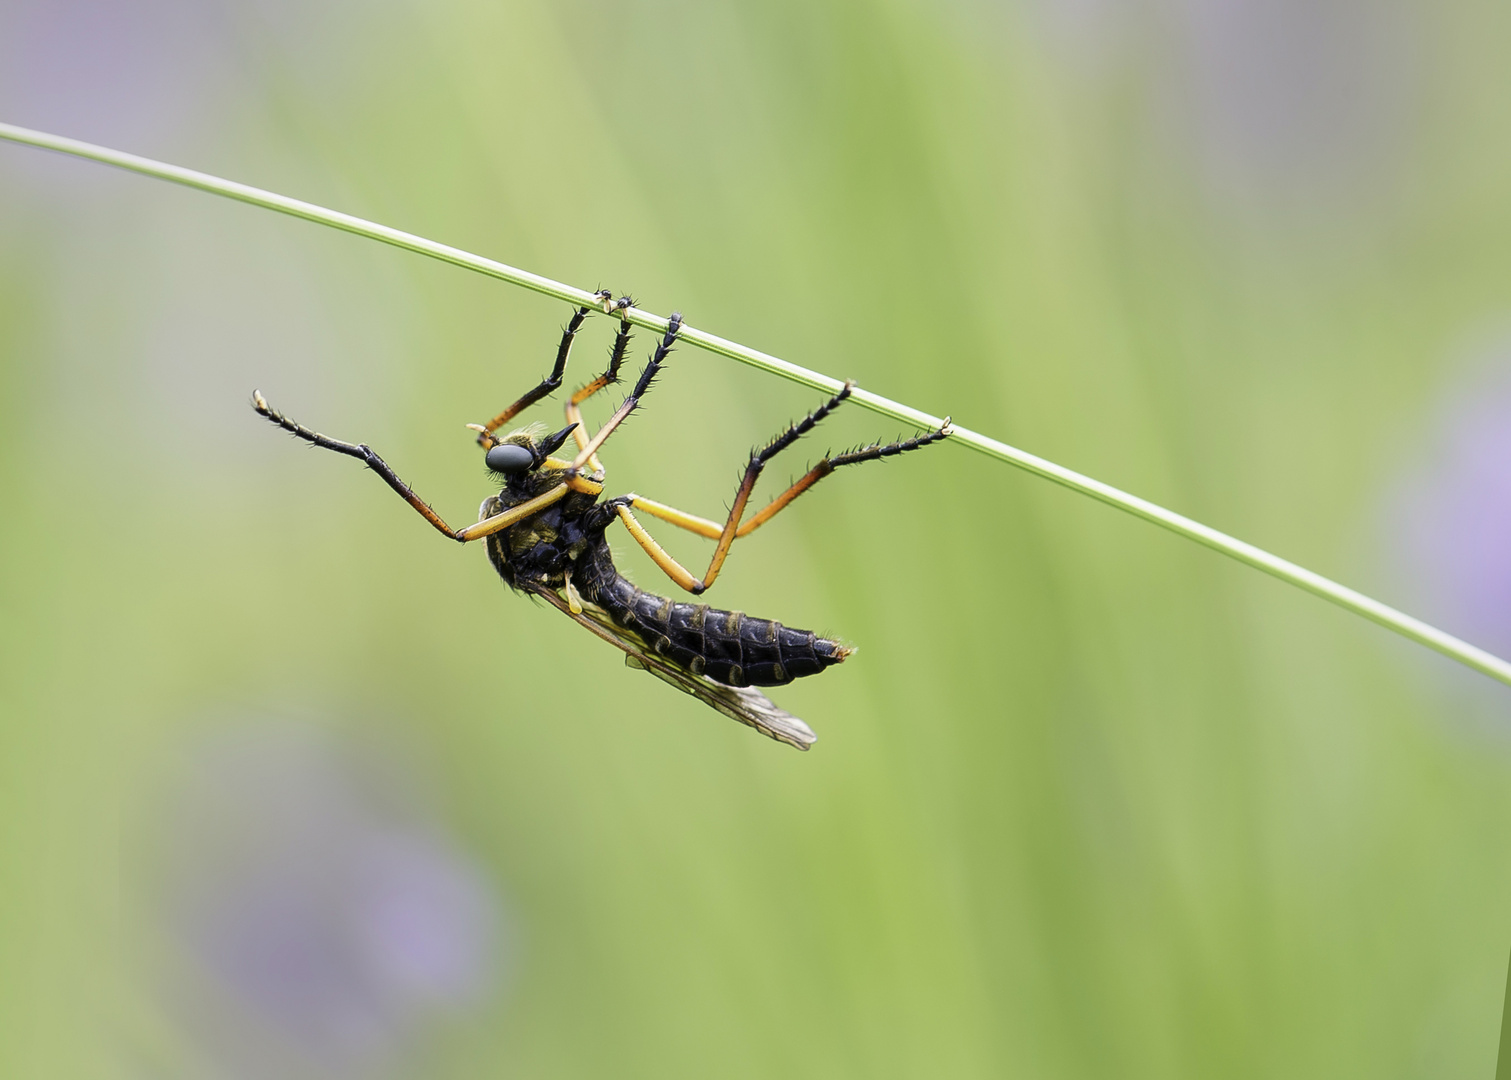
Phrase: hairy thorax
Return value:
(543, 548)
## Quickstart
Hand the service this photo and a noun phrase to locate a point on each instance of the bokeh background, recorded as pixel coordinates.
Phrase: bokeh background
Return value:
(291, 788)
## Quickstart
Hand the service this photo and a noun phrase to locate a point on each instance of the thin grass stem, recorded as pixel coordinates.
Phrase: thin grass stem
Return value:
(1287, 571)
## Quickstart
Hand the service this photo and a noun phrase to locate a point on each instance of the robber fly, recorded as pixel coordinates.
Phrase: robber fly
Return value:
(544, 532)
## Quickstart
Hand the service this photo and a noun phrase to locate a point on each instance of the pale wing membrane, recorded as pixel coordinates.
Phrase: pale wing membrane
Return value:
(743, 703)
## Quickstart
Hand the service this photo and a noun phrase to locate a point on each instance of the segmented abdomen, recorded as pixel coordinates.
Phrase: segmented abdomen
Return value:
(729, 647)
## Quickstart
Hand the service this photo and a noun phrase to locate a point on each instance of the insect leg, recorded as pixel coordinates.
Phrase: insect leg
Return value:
(608, 378)
(724, 534)
(549, 385)
(670, 566)
(874, 452)
(734, 527)
(361, 453)
(500, 522)
(758, 460)
(630, 403)
(680, 518)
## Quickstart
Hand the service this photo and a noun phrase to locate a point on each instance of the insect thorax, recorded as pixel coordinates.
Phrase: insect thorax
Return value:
(544, 547)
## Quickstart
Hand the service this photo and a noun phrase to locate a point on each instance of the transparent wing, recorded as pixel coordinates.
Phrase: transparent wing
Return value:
(743, 703)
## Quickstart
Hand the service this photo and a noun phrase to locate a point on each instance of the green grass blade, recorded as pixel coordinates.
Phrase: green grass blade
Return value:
(1258, 558)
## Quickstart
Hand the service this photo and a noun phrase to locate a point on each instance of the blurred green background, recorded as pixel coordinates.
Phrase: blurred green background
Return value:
(291, 787)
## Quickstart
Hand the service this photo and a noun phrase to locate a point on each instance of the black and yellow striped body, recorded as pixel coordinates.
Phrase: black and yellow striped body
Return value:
(564, 547)
(728, 647)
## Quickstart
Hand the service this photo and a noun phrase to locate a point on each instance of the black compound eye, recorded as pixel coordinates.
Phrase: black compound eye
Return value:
(509, 458)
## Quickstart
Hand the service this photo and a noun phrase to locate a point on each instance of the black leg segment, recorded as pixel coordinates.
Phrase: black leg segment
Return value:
(362, 453)
(552, 382)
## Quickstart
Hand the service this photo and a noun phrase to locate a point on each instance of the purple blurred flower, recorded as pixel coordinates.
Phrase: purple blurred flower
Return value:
(101, 69)
(155, 75)
(1449, 518)
(1295, 97)
(328, 919)
(1283, 101)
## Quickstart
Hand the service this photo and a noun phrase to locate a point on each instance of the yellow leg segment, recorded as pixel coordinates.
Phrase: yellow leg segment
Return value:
(589, 449)
(574, 415)
(608, 378)
(500, 522)
(673, 569)
(680, 518)
(726, 534)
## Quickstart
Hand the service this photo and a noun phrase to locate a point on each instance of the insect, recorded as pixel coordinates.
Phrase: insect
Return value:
(545, 535)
